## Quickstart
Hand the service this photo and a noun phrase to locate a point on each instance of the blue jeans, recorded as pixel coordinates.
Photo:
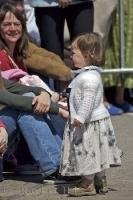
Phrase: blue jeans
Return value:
(58, 124)
(41, 141)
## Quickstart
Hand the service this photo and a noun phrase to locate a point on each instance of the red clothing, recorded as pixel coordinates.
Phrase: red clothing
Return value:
(1, 124)
(6, 63)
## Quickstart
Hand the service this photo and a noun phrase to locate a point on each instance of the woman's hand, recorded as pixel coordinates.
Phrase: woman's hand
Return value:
(41, 103)
(3, 140)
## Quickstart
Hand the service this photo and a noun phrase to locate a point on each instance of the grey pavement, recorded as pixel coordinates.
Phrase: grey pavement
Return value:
(120, 180)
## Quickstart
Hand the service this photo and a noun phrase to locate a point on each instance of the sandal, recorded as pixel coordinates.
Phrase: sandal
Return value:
(84, 188)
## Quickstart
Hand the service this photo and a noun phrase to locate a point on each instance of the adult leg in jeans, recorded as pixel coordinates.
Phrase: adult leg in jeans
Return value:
(9, 117)
(58, 123)
(41, 142)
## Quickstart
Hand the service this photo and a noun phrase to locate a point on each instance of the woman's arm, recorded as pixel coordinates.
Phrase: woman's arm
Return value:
(17, 88)
(12, 97)
(27, 103)
(19, 102)
(46, 63)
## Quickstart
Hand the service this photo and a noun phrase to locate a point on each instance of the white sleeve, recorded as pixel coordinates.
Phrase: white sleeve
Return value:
(89, 91)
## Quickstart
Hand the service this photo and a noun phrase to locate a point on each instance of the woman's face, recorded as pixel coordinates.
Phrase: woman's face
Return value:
(10, 29)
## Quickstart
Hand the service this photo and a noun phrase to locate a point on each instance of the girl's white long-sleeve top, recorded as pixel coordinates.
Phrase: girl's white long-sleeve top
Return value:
(86, 96)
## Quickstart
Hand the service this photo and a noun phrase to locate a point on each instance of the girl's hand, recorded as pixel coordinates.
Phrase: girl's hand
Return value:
(63, 105)
(64, 113)
(41, 103)
(77, 123)
(62, 98)
(3, 140)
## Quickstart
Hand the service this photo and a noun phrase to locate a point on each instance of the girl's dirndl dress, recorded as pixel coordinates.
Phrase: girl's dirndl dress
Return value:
(89, 149)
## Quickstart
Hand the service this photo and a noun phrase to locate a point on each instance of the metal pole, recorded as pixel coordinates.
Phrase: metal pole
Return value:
(121, 31)
(118, 70)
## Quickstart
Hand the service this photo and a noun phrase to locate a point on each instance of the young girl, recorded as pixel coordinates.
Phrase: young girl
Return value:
(89, 145)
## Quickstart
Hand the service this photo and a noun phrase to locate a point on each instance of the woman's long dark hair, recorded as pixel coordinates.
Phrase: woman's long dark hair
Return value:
(20, 50)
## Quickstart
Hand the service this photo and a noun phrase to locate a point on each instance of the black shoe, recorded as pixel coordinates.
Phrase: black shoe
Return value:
(1, 170)
(1, 178)
(56, 178)
(9, 163)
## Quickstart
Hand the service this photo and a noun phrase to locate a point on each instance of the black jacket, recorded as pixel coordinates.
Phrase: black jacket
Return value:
(13, 97)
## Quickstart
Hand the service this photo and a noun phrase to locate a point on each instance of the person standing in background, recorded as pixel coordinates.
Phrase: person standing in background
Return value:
(121, 82)
(103, 12)
(31, 23)
(102, 25)
(106, 23)
(51, 16)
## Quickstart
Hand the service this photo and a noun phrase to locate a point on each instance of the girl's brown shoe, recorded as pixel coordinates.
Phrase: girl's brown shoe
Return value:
(82, 189)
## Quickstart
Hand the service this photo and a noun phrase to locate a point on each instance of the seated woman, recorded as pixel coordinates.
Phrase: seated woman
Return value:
(39, 60)
(13, 50)
(26, 112)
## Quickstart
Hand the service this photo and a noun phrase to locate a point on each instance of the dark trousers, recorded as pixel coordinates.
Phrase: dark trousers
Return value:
(50, 21)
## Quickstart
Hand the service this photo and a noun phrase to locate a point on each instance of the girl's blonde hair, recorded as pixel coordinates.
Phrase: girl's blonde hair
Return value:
(91, 47)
